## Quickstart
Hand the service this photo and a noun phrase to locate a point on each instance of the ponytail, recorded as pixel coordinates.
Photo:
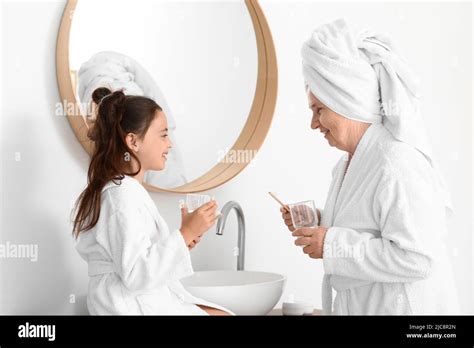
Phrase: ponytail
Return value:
(117, 115)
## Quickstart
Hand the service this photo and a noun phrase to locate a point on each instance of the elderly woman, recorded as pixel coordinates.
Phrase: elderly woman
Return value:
(380, 235)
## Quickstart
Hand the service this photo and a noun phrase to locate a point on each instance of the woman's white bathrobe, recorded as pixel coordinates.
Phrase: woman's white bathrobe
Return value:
(384, 252)
(134, 261)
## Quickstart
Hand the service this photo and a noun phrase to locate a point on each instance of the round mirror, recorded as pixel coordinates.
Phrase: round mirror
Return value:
(210, 65)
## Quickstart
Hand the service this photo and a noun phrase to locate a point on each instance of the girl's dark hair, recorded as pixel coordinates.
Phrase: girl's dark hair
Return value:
(117, 115)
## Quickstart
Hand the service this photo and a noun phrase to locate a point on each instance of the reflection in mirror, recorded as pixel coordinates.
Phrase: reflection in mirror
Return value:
(197, 60)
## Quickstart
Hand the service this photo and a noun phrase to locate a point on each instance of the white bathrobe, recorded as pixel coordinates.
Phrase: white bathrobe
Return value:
(383, 251)
(134, 261)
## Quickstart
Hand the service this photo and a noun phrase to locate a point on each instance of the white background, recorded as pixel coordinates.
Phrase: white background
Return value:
(295, 162)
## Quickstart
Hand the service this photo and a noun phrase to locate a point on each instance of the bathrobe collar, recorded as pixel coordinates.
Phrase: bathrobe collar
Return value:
(345, 184)
(369, 140)
(148, 202)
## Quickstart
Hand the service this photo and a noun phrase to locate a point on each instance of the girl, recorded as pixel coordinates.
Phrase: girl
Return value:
(134, 261)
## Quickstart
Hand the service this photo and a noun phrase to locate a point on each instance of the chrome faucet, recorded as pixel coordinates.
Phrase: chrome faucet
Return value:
(241, 229)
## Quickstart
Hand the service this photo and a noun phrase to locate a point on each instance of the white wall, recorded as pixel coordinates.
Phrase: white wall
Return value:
(295, 162)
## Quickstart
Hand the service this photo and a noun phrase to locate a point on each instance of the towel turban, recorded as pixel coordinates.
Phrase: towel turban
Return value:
(360, 76)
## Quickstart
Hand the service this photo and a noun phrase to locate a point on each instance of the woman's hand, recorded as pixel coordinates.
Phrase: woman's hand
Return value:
(285, 214)
(195, 224)
(313, 240)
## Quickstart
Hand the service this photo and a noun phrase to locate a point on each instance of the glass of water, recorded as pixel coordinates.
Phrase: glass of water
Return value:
(194, 201)
(303, 214)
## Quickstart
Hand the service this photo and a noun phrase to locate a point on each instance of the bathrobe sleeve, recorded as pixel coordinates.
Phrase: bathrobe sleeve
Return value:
(402, 205)
(141, 263)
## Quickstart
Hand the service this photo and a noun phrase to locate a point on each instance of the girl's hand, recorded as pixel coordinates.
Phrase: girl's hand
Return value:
(313, 240)
(194, 242)
(195, 224)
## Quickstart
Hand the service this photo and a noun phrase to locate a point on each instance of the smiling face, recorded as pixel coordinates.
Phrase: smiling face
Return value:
(152, 149)
(339, 131)
(156, 144)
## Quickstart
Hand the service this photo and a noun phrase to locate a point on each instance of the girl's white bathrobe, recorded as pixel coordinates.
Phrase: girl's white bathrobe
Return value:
(134, 261)
(384, 252)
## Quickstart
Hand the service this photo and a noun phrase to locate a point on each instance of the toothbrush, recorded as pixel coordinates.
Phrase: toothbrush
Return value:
(276, 198)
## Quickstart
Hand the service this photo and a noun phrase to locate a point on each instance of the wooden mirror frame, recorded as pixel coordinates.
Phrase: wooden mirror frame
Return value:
(253, 133)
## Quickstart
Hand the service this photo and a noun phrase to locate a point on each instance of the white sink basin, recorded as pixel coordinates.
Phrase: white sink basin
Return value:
(243, 292)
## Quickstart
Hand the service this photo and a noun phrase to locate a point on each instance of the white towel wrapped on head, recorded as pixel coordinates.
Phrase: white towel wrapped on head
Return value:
(360, 76)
